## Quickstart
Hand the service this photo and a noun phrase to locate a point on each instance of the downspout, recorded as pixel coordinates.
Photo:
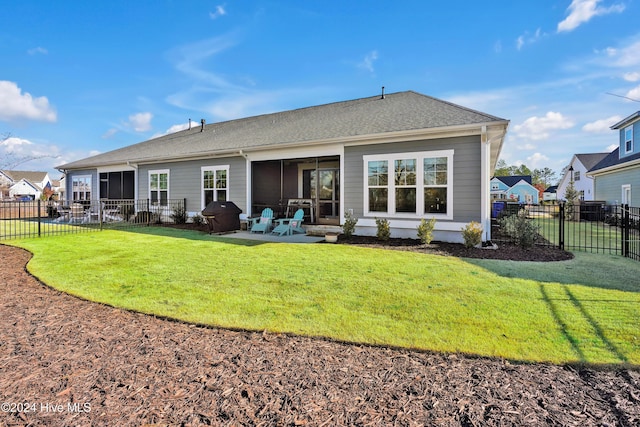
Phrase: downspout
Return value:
(485, 202)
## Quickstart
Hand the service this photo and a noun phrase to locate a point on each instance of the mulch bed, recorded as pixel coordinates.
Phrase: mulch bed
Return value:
(79, 363)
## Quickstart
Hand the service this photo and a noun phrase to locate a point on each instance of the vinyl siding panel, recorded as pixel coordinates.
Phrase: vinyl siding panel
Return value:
(466, 172)
(185, 180)
(608, 187)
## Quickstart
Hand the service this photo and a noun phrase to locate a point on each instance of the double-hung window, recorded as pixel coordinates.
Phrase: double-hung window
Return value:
(409, 184)
(628, 139)
(159, 187)
(215, 184)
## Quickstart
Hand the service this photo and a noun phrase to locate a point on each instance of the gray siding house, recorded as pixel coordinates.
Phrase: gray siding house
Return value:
(402, 156)
(617, 176)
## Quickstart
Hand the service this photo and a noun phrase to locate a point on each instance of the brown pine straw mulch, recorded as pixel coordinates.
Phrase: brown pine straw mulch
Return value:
(76, 363)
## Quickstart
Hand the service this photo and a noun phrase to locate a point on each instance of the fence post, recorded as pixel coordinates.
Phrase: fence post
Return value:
(39, 207)
(148, 213)
(561, 226)
(625, 230)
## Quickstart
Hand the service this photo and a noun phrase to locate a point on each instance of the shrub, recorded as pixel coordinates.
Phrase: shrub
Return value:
(179, 215)
(521, 229)
(197, 219)
(384, 229)
(472, 234)
(425, 230)
(349, 225)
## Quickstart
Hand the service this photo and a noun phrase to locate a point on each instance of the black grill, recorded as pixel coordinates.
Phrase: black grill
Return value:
(222, 216)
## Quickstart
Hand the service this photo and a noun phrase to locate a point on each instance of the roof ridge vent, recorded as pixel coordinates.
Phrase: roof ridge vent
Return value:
(202, 123)
(382, 97)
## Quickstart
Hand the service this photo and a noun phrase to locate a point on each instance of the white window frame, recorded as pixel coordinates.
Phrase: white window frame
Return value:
(630, 130)
(160, 172)
(576, 175)
(626, 194)
(213, 169)
(391, 187)
(88, 182)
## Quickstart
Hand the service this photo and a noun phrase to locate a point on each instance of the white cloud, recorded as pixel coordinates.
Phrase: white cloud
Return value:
(38, 50)
(497, 46)
(220, 11)
(527, 38)
(601, 126)
(176, 128)
(369, 59)
(634, 94)
(632, 77)
(13, 144)
(140, 122)
(15, 105)
(537, 128)
(537, 160)
(581, 11)
(110, 133)
(612, 147)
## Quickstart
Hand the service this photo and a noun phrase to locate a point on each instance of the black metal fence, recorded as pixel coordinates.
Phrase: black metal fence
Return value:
(20, 219)
(586, 226)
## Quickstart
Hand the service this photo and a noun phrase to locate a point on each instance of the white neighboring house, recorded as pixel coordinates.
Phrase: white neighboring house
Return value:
(24, 183)
(578, 168)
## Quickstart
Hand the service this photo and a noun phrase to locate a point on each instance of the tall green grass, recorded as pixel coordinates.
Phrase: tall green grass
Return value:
(355, 294)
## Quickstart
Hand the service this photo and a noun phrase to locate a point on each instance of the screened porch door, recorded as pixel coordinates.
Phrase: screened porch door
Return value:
(323, 186)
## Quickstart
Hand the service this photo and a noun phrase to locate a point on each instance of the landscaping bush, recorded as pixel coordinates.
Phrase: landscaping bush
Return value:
(197, 219)
(472, 234)
(384, 229)
(179, 215)
(521, 229)
(349, 225)
(425, 230)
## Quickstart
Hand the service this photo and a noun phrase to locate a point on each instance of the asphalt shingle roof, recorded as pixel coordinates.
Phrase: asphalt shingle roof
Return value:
(511, 180)
(613, 159)
(402, 111)
(589, 160)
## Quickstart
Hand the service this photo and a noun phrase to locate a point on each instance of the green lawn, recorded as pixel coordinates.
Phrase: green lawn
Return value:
(585, 310)
(580, 234)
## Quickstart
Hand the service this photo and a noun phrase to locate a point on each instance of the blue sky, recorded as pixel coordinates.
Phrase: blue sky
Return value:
(79, 78)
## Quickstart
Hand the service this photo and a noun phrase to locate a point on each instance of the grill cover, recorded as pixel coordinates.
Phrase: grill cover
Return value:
(222, 216)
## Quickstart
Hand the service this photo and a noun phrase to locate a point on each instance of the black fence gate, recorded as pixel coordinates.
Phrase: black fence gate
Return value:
(585, 226)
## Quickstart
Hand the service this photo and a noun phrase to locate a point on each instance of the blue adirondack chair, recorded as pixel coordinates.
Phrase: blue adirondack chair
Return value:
(263, 223)
(290, 226)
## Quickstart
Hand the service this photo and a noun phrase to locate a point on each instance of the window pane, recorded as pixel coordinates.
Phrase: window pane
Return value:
(164, 181)
(405, 172)
(222, 195)
(435, 171)
(208, 197)
(435, 200)
(378, 199)
(207, 179)
(406, 200)
(153, 181)
(378, 172)
(163, 198)
(221, 179)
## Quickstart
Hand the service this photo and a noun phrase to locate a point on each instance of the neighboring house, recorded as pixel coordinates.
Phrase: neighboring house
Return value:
(514, 188)
(578, 167)
(617, 176)
(402, 156)
(24, 184)
(550, 194)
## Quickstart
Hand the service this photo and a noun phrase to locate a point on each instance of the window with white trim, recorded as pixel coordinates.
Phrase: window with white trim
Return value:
(81, 187)
(159, 187)
(628, 139)
(576, 175)
(421, 184)
(215, 184)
